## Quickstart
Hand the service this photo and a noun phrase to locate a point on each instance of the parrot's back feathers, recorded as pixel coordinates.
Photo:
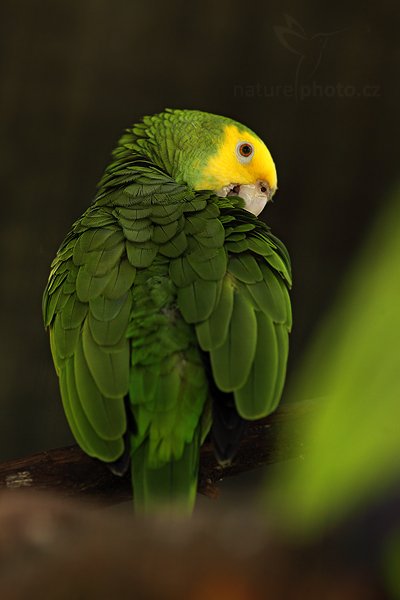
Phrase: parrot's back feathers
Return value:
(169, 314)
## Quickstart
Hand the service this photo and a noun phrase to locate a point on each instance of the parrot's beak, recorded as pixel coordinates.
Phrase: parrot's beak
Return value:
(255, 195)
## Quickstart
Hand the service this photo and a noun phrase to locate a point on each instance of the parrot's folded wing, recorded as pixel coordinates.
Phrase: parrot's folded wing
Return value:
(237, 297)
(86, 306)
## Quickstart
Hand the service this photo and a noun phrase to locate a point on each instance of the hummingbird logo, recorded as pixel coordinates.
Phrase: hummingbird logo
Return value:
(309, 48)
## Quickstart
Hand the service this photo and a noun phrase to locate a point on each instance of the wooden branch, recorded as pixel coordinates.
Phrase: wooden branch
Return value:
(71, 472)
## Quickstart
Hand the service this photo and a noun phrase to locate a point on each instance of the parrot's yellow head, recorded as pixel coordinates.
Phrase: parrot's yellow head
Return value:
(208, 152)
(241, 166)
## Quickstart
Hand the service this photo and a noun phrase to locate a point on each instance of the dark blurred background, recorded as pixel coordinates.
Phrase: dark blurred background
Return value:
(320, 86)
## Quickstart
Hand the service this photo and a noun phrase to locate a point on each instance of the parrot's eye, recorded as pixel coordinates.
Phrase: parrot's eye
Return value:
(244, 151)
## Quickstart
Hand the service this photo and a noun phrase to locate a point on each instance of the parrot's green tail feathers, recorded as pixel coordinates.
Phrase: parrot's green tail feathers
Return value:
(169, 488)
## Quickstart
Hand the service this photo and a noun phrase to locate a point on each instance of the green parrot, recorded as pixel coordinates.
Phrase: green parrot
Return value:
(167, 303)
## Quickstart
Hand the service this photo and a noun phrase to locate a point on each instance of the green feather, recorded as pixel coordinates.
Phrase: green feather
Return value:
(88, 286)
(212, 332)
(105, 309)
(245, 268)
(57, 279)
(278, 263)
(259, 246)
(163, 233)
(163, 211)
(167, 218)
(244, 228)
(106, 415)
(232, 361)
(181, 273)
(138, 235)
(212, 268)
(196, 222)
(57, 359)
(120, 281)
(141, 255)
(213, 234)
(237, 246)
(135, 224)
(174, 247)
(50, 304)
(69, 287)
(132, 214)
(65, 251)
(256, 398)
(288, 306)
(282, 339)
(93, 444)
(197, 300)
(98, 217)
(65, 340)
(269, 296)
(195, 205)
(282, 251)
(109, 366)
(73, 312)
(66, 400)
(109, 332)
(91, 240)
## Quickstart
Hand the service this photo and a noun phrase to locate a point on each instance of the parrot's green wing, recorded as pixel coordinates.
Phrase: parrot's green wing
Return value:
(258, 280)
(237, 297)
(87, 306)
